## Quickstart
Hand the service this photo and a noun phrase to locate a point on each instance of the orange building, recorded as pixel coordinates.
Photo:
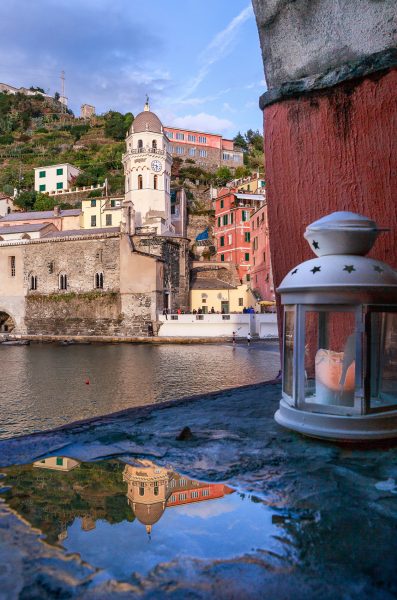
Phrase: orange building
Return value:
(261, 270)
(232, 228)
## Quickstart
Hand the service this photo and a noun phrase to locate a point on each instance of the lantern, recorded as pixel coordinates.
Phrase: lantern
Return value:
(340, 336)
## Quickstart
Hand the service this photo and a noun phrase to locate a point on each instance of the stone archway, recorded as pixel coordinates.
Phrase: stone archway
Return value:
(7, 323)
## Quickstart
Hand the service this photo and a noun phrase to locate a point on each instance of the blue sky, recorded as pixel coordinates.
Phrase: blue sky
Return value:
(199, 61)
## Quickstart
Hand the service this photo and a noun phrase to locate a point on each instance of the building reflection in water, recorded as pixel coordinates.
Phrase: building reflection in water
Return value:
(152, 489)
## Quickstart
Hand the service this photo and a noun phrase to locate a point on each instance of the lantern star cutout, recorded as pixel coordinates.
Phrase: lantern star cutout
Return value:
(349, 268)
(378, 269)
(315, 245)
(315, 270)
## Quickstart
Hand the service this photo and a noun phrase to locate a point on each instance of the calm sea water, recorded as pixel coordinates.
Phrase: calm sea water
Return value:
(44, 386)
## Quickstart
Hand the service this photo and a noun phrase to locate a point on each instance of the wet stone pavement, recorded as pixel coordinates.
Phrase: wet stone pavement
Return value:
(119, 507)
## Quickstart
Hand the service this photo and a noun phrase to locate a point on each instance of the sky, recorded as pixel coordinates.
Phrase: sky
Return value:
(199, 61)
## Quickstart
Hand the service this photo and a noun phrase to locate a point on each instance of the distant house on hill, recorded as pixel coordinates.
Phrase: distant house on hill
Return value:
(54, 178)
(6, 204)
(10, 89)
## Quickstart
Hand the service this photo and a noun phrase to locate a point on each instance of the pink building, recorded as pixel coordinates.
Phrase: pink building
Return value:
(208, 150)
(261, 270)
(232, 228)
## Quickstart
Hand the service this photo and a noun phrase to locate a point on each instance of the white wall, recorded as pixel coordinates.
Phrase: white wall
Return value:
(51, 178)
(264, 325)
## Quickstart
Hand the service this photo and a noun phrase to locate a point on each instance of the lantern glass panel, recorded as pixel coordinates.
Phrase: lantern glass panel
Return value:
(330, 347)
(383, 360)
(289, 332)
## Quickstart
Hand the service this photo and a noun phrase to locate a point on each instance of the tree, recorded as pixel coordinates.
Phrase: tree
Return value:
(241, 142)
(26, 199)
(242, 172)
(223, 175)
(117, 124)
(44, 202)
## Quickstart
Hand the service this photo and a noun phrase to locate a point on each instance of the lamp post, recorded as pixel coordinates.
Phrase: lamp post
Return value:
(340, 336)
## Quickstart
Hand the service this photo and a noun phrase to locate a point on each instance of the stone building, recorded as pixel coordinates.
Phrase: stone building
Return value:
(109, 281)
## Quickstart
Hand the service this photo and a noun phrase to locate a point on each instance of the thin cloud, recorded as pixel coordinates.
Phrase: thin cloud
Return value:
(218, 48)
(204, 122)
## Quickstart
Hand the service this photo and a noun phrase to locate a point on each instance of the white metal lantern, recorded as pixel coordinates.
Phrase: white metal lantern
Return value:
(340, 336)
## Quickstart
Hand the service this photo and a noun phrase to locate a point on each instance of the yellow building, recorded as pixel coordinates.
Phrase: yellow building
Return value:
(254, 184)
(214, 295)
(101, 213)
(57, 463)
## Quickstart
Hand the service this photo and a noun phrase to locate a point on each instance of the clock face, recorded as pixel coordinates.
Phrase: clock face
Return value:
(156, 165)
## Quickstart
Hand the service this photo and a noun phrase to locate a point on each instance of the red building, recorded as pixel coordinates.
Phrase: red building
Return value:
(261, 270)
(208, 150)
(232, 228)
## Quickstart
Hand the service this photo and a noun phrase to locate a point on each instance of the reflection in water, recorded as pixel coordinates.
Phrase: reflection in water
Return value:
(45, 385)
(104, 511)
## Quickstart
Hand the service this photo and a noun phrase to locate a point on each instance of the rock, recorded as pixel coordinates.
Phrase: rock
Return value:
(186, 434)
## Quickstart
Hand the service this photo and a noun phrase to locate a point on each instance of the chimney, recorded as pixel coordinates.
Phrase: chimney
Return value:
(57, 211)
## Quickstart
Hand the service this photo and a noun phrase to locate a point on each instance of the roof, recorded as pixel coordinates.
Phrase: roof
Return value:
(202, 283)
(66, 164)
(40, 214)
(147, 121)
(23, 228)
(80, 232)
(149, 514)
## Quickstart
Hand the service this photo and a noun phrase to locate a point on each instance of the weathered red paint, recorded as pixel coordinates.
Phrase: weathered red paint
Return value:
(327, 151)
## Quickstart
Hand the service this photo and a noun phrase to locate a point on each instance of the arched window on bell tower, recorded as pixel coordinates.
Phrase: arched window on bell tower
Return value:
(155, 182)
(140, 182)
(154, 145)
(140, 145)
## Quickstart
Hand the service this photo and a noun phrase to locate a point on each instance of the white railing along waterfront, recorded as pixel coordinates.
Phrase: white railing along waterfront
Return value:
(263, 325)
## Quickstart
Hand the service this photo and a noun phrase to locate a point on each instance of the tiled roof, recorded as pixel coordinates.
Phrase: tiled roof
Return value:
(147, 121)
(40, 214)
(22, 228)
(202, 283)
(81, 232)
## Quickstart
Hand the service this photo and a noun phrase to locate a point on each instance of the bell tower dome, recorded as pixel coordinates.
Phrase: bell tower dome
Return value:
(147, 169)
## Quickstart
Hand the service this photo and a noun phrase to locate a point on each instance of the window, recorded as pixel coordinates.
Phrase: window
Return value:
(180, 136)
(142, 490)
(156, 489)
(244, 215)
(264, 257)
(231, 218)
(173, 498)
(194, 494)
(180, 150)
(12, 266)
(182, 496)
(247, 256)
(225, 220)
(202, 139)
(60, 171)
(192, 151)
(236, 158)
(33, 282)
(60, 185)
(59, 461)
(154, 144)
(183, 481)
(247, 236)
(171, 148)
(222, 240)
(93, 220)
(41, 174)
(205, 493)
(203, 153)
(113, 203)
(248, 277)
(140, 145)
(230, 239)
(257, 221)
(63, 281)
(222, 258)
(221, 203)
(140, 182)
(191, 137)
(109, 220)
(204, 300)
(93, 203)
(219, 221)
(226, 156)
(155, 179)
(241, 301)
(170, 134)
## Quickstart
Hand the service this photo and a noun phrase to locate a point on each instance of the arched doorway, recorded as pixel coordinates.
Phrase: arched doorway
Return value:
(6, 322)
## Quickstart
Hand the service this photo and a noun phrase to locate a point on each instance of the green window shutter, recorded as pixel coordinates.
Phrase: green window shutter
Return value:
(60, 171)
(222, 258)
(247, 236)
(247, 256)
(93, 203)
(42, 187)
(221, 203)
(225, 219)
(59, 461)
(231, 218)
(41, 174)
(59, 185)
(244, 216)
(222, 241)
(219, 221)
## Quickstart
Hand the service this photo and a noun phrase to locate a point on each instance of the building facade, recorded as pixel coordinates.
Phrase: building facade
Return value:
(68, 219)
(87, 111)
(232, 228)
(55, 178)
(208, 150)
(6, 205)
(261, 270)
(101, 212)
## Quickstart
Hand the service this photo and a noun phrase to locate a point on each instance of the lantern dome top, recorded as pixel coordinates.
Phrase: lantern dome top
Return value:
(342, 233)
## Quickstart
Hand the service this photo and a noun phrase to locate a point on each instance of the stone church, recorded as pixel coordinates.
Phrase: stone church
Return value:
(107, 282)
